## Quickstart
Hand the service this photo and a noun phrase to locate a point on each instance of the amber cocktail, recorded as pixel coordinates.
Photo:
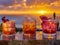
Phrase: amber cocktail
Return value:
(29, 28)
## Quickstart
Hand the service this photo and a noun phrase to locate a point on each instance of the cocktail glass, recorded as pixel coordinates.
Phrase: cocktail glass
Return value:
(49, 29)
(29, 28)
(8, 30)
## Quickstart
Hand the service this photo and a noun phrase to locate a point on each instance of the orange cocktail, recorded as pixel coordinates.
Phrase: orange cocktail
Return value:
(8, 29)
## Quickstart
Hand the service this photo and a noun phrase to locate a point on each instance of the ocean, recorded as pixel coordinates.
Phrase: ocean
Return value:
(19, 19)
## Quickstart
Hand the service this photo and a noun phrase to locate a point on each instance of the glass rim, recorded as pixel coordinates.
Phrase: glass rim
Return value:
(50, 20)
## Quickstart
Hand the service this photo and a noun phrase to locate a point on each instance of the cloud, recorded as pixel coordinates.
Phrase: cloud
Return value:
(49, 4)
(56, 3)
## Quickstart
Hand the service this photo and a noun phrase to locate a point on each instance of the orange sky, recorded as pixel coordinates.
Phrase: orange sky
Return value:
(44, 7)
(30, 11)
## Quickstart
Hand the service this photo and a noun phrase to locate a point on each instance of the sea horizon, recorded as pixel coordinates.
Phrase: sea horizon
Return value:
(19, 19)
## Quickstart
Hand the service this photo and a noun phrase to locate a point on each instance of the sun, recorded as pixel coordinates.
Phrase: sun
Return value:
(42, 11)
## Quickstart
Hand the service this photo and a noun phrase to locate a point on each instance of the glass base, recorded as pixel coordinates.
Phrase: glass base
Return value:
(29, 36)
(8, 37)
(50, 36)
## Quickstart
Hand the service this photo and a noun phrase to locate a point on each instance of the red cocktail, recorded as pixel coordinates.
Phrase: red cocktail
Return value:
(49, 26)
(49, 29)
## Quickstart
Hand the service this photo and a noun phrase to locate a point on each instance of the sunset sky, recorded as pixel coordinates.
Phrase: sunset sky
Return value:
(29, 6)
